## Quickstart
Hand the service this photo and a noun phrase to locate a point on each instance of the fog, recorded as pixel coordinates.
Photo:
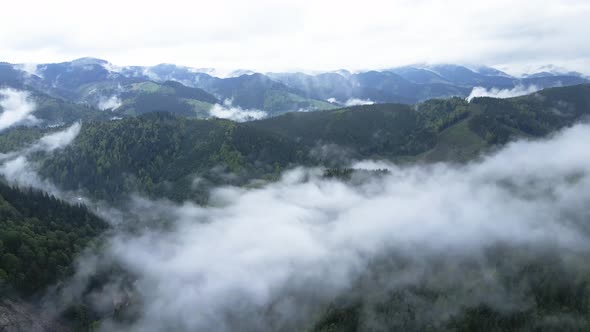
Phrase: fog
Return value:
(272, 258)
(18, 169)
(357, 101)
(351, 101)
(519, 90)
(110, 103)
(17, 108)
(235, 113)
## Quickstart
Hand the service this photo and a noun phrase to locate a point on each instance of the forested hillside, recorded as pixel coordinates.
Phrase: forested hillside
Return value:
(295, 166)
(160, 154)
(40, 237)
(149, 153)
(163, 155)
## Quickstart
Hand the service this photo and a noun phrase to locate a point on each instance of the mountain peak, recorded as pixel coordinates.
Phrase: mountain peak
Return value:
(88, 61)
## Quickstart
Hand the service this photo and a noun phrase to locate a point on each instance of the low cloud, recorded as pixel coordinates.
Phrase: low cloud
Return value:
(357, 102)
(519, 90)
(264, 259)
(350, 101)
(59, 139)
(235, 113)
(111, 103)
(17, 168)
(17, 108)
(20, 171)
(29, 68)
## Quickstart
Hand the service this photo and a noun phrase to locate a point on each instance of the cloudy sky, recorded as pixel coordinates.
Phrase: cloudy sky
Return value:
(300, 34)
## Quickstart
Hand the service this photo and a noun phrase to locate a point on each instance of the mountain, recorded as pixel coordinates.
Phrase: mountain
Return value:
(247, 90)
(94, 82)
(463, 76)
(163, 155)
(149, 153)
(10, 76)
(413, 84)
(50, 111)
(73, 74)
(322, 86)
(147, 96)
(100, 84)
(258, 91)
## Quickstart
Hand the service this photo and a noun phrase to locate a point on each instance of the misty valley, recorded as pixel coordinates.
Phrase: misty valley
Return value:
(416, 198)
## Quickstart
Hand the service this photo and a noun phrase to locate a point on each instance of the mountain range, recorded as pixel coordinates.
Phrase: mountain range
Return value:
(134, 90)
(145, 145)
(159, 154)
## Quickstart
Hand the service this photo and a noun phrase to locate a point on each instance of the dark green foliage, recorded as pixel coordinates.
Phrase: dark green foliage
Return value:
(338, 173)
(152, 102)
(160, 155)
(440, 114)
(499, 120)
(56, 111)
(17, 138)
(40, 236)
(346, 174)
(384, 129)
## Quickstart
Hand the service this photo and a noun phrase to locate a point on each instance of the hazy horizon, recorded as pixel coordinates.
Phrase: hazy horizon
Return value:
(229, 72)
(267, 36)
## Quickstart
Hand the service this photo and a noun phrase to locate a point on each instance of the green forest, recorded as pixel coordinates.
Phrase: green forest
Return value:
(40, 237)
(158, 154)
(161, 155)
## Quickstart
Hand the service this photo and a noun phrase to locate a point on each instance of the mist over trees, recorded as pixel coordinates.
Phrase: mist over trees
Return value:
(446, 215)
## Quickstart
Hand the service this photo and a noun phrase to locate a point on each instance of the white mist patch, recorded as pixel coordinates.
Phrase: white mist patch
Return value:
(519, 90)
(357, 102)
(19, 170)
(111, 67)
(17, 108)
(110, 103)
(151, 75)
(29, 68)
(351, 102)
(258, 256)
(59, 139)
(235, 113)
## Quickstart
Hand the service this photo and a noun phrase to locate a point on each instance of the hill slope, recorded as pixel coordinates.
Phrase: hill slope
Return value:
(148, 153)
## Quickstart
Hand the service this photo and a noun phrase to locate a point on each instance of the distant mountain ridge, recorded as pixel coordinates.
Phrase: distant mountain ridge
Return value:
(100, 84)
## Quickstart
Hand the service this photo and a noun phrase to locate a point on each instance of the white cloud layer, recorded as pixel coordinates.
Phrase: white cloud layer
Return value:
(357, 101)
(16, 167)
(519, 90)
(110, 103)
(257, 259)
(235, 113)
(17, 108)
(59, 139)
(314, 35)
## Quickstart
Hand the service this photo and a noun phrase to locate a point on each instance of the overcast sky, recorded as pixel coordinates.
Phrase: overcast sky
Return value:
(299, 34)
